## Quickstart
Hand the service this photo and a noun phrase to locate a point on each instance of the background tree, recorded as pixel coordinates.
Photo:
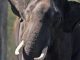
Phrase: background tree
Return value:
(3, 29)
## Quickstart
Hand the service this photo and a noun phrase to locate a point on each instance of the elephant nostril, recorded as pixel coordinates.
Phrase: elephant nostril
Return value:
(19, 47)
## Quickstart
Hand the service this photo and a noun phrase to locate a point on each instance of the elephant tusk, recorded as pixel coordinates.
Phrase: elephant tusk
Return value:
(19, 47)
(43, 54)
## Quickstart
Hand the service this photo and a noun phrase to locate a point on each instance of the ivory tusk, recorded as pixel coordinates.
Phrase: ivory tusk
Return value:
(19, 47)
(43, 54)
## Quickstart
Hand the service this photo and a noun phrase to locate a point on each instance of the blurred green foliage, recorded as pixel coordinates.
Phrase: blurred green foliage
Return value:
(11, 42)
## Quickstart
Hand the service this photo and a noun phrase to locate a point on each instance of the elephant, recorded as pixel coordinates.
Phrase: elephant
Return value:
(55, 32)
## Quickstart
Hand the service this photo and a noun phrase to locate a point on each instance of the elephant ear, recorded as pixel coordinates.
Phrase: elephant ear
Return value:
(18, 7)
(18, 4)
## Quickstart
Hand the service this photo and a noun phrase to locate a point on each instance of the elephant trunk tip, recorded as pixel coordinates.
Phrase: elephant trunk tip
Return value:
(17, 50)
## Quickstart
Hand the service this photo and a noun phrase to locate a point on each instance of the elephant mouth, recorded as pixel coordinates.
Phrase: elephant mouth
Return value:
(42, 55)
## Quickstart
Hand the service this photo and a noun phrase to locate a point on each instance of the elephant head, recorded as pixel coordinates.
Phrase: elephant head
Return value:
(35, 28)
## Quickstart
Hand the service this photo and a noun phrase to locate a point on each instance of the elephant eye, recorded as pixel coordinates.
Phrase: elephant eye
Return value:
(21, 20)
